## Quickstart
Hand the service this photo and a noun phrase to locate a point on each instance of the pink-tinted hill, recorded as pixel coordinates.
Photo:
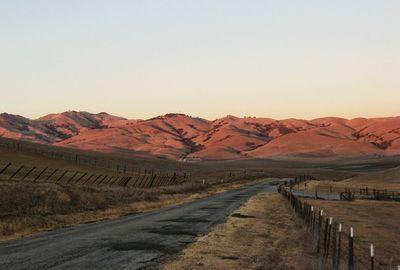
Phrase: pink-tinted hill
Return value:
(178, 136)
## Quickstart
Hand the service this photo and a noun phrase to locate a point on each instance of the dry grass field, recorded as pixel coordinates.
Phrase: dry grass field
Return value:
(374, 222)
(388, 179)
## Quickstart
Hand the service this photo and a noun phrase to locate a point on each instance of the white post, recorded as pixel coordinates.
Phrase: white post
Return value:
(372, 250)
(351, 232)
(330, 220)
(340, 227)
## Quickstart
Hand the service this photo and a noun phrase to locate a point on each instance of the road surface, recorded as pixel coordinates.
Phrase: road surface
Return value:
(138, 241)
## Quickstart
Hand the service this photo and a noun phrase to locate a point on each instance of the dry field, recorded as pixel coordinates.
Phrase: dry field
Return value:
(374, 222)
(388, 179)
(262, 234)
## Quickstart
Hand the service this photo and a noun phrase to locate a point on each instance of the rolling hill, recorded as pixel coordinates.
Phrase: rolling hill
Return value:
(177, 136)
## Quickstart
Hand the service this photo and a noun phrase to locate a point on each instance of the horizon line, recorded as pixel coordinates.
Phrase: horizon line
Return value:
(204, 118)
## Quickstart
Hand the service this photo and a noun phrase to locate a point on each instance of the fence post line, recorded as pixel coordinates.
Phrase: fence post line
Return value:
(351, 249)
(372, 256)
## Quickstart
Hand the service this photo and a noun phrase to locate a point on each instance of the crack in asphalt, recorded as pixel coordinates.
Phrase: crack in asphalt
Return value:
(137, 241)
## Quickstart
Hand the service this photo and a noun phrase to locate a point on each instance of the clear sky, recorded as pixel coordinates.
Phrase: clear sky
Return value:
(208, 58)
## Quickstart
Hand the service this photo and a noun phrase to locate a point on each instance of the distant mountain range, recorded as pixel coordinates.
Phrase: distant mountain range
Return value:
(177, 136)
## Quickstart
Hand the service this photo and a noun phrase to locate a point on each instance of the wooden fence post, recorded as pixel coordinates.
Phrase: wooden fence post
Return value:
(73, 176)
(313, 218)
(90, 177)
(62, 175)
(135, 182)
(115, 180)
(140, 181)
(328, 238)
(108, 180)
(152, 180)
(28, 173)
(334, 232)
(80, 178)
(51, 174)
(16, 172)
(40, 174)
(319, 230)
(102, 180)
(326, 235)
(128, 179)
(97, 178)
(5, 168)
(372, 256)
(339, 247)
(351, 250)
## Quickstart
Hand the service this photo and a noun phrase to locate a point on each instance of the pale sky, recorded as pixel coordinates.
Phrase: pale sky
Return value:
(208, 58)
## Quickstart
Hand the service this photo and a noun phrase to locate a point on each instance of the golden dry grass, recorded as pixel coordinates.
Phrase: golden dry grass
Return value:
(262, 234)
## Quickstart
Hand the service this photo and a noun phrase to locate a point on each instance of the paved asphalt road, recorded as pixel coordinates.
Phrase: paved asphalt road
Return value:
(137, 241)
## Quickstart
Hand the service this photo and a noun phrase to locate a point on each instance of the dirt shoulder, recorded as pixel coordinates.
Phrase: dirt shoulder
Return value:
(262, 234)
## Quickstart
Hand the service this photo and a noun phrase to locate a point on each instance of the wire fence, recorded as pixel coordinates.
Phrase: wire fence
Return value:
(147, 179)
(362, 192)
(333, 241)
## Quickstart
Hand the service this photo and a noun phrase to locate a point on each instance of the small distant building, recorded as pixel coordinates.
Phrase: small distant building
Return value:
(191, 159)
